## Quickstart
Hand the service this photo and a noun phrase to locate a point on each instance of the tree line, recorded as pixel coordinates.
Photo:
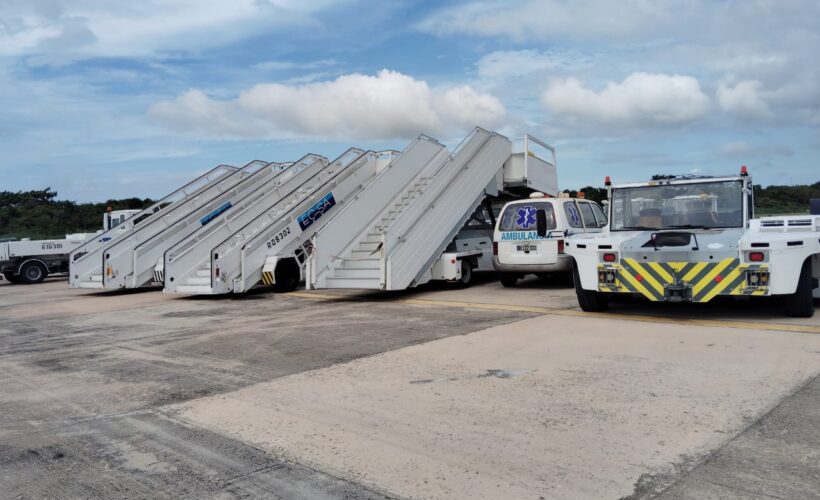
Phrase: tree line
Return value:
(39, 214)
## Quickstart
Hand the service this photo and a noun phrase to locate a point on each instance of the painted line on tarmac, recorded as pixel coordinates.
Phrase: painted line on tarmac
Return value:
(747, 325)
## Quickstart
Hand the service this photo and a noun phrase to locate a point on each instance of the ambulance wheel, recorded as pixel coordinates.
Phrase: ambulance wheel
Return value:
(466, 273)
(32, 272)
(508, 280)
(800, 304)
(11, 278)
(287, 276)
(589, 300)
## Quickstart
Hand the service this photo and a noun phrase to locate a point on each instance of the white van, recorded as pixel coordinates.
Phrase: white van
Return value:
(529, 234)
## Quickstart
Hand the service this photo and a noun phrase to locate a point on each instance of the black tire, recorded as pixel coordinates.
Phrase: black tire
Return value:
(11, 278)
(287, 276)
(466, 273)
(508, 280)
(589, 300)
(32, 272)
(800, 304)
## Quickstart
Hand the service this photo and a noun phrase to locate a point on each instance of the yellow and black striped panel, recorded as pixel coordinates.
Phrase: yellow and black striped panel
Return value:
(267, 277)
(707, 279)
(646, 278)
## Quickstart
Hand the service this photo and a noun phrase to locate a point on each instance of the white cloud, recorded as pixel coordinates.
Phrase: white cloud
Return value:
(642, 99)
(193, 110)
(290, 65)
(88, 28)
(743, 99)
(626, 20)
(745, 150)
(387, 105)
(550, 19)
(508, 64)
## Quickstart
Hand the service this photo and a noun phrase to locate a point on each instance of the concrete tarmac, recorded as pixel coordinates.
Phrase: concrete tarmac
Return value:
(437, 392)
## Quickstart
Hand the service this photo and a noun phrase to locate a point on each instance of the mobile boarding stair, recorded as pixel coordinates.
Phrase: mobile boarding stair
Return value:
(398, 241)
(85, 262)
(273, 249)
(186, 267)
(131, 260)
(276, 239)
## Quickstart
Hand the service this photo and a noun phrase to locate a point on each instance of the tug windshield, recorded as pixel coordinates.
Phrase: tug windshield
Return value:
(701, 205)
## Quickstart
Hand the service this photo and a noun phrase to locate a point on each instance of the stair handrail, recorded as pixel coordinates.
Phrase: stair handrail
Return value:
(334, 240)
(99, 240)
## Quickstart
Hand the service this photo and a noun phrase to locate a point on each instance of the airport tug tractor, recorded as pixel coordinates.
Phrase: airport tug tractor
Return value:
(691, 239)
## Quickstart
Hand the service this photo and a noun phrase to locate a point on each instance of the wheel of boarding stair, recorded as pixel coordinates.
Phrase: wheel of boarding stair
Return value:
(800, 304)
(286, 275)
(32, 272)
(466, 273)
(589, 300)
(509, 280)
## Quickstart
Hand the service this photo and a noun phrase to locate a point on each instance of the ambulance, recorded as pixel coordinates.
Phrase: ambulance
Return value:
(529, 235)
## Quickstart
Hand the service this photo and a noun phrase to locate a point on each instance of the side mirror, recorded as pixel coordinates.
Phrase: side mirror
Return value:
(541, 223)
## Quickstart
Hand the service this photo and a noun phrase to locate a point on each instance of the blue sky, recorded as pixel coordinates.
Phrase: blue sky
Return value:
(104, 99)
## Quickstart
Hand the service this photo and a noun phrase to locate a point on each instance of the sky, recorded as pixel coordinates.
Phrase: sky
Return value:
(102, 99)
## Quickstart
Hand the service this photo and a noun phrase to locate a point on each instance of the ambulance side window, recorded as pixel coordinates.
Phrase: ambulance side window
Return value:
(573, 215)
(586, 214)
(600, 216)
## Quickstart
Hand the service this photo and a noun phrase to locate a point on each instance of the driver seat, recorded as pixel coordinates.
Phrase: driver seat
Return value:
(650, 217)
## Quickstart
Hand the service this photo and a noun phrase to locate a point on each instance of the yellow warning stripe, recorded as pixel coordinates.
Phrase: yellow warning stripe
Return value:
(748, 325)
(719, 287)
(711, 275)
(267, 278)
(637, 285)
(661, 271)
(646, 275)
(695, 271)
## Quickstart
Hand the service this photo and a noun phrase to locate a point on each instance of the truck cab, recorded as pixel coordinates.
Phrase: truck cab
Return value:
(529, 235)
(691, 239)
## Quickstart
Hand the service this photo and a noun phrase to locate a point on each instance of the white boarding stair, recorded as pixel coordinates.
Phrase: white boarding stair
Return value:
(400, 249)
(229, 270)
(286, 234)
(341, 235)
(86, 261)
(129, 262)
(183, 260)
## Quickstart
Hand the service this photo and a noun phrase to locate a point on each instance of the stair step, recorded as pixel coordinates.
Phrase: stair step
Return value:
(203, 273)
(91, 284)
(372, 263)
(342, 273)
(97, 278)
(363, 254)
(371, 239)
(368, 245)
(360, 283)
(194, 289)
(196, 280)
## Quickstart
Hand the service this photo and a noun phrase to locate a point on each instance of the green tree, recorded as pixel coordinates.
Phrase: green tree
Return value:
(38, 214)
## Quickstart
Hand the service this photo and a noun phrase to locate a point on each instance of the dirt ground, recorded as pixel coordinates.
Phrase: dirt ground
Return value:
(484, 392)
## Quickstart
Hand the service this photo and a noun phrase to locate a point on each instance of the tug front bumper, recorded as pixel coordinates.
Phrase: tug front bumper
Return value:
(684, 281)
